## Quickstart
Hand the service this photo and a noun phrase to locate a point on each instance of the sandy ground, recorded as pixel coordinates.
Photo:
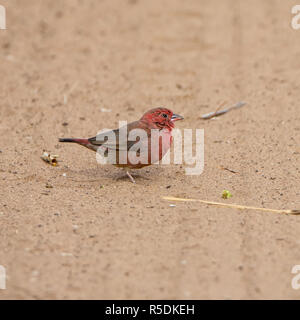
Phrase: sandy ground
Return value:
(95, 235)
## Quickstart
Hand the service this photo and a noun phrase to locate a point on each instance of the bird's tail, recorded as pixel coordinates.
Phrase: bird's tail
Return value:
(79, 141)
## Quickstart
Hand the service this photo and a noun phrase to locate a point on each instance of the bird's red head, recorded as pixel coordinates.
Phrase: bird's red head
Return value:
(161, 118)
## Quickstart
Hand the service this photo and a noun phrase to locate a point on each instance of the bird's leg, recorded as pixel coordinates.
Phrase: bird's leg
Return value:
(130, 176)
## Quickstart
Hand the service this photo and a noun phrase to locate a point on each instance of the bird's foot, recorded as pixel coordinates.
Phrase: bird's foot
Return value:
(130, 177)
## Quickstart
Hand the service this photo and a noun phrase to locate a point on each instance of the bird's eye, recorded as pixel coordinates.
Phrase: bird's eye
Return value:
(165, 115)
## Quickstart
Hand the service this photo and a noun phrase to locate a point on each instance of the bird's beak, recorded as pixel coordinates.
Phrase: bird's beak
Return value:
(176, 117)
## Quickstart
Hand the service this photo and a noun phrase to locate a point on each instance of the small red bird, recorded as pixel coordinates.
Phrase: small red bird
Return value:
(124, 148)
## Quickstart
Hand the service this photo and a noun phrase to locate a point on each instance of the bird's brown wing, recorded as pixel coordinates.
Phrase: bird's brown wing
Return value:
(111, 139)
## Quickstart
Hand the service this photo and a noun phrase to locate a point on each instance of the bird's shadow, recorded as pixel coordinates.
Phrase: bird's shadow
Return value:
(96, 174)
(124, 177)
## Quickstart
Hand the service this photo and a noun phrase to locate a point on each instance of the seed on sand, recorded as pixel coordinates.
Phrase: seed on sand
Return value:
(226, 194)
(50, 158)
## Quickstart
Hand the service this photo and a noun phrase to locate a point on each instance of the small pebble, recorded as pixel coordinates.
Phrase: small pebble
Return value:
(186, 293)
(105, 110)
(66, 254)
(35, 273)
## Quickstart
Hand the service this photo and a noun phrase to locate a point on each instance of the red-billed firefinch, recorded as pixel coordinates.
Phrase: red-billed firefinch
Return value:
(158, 120)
